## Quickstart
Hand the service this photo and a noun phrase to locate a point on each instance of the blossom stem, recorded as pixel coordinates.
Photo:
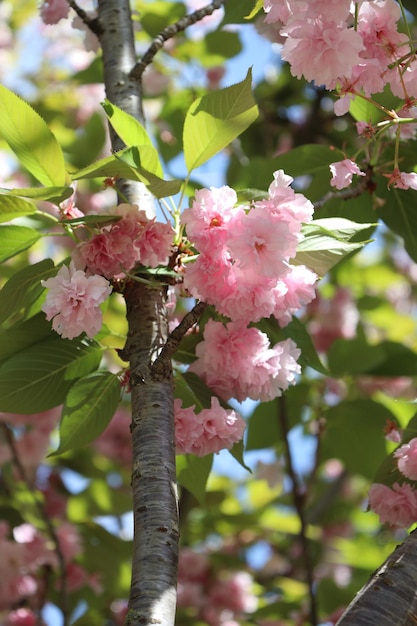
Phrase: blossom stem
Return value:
(298, 494)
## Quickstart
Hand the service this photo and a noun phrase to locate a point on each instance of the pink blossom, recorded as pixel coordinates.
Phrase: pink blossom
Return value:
(238, 362)
(192, 565)
(332, 319)
(406, 456)
(299, 291)
(73, 300)
(235, 593)
(154, 243)
(208, 431)
(402, 180)
(396, 506)
(321, 50)
(21, 617)
(342, 173)
(52, 11)
(210, 217)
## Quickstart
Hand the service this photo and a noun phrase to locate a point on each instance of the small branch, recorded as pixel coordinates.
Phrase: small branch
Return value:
(298, 500)
(91, 23)
(8, 433)
(170, 31)
(364, 186)
(175, 337)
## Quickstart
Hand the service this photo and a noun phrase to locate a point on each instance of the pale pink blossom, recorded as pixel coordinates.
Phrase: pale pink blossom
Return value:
(396, 506)
(322, 51)
(210, 217)
(406, 456)
(234, 592)
(208, 431)
(239, 362)
(21, 617)
(193, 566)
(402, 180)
(300, 290)
(154, 243)
(73, 300)
(343, 172)
(52, 11)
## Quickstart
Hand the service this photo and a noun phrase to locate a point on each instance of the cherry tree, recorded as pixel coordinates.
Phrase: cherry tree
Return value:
(143, 311)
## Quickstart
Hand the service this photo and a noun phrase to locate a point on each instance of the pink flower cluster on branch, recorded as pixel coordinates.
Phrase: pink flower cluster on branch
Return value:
(243, 268)
(323, 43)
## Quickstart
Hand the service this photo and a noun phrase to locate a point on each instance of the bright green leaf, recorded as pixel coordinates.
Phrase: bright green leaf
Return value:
(23, 288)
(35, 379)
(31, 139)
(23, 335)
(259, 5)
(10, 208)
(53, 194)
(89, 407)
(132, 133)
(216, 119)
(15, 239)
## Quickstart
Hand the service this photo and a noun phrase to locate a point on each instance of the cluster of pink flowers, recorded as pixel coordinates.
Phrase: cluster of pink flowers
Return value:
(243, 266)
(217, 598)
(73, 300)
(76, 292)
(236, 361)
(323, 44)
(208, 431)
(397, 506)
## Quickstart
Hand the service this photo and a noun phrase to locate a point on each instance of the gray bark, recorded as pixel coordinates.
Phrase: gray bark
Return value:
(152, 598)
(389, 598)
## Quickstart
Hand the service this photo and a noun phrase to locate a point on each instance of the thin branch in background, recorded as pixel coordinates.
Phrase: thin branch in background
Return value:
(169, 32)
(175, 337)
(298, 494)
(9, 437)
(91, 22)
(365, 186)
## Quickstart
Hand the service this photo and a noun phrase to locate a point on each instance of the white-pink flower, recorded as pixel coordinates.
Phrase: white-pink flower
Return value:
(406, 456)
(208, 431)
(402, 180)
(154, 243)
(52, 11)
(238, 362)
(73, 300)
(342, 172)
(396, 506)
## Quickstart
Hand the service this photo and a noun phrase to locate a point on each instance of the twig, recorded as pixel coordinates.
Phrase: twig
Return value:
(298, 499)
(175, 337)
(91, 22)
(8, 433)
(170, 31)
(365, 185)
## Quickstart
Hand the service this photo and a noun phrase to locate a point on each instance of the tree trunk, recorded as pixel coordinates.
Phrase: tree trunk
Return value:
(152, 597)
(389, 598)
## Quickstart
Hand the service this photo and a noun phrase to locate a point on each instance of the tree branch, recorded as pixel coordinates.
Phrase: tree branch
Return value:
(298, 500)
(8, 434)
(390, 595)
(364, 186)
(91, 22)
(174, 339)
(169, 32)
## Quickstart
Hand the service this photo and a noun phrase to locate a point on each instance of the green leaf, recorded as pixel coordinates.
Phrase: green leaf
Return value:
(10, 208)
(53, 194)
(132, 133)
(35, 379)
(23, 288)
(15, 239)
(353, 356)
(398, 360)
(31, 140)
(193, 473)
(215, 120)
(399, 214)
(23, 335)
(326, 242)
(127, 164)
(259, 4)
(355, 434)
(89, 406)
(297, 331)
(263, 431)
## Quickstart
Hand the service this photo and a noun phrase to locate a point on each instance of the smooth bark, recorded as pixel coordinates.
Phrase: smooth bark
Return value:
(389, 598)
(152, 598)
